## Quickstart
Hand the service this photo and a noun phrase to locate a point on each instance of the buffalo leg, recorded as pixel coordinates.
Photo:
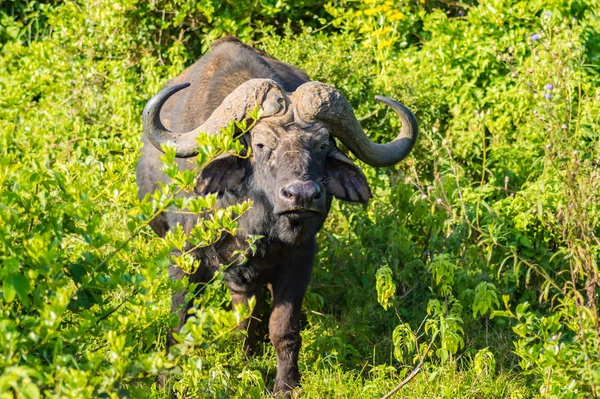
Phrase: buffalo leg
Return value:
(178, 307)
(178, 304)
(289, 287)
(249, 324)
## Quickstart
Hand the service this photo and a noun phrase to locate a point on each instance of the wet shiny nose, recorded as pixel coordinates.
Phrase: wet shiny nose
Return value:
(301, 192)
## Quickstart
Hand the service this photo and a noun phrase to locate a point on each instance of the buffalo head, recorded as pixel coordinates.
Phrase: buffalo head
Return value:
(295, 167)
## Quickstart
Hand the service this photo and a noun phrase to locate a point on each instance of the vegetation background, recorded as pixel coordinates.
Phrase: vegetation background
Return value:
(477, 260)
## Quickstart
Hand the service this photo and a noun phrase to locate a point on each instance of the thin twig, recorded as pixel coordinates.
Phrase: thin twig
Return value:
(113, 310)
(412, 373)
(405, 381)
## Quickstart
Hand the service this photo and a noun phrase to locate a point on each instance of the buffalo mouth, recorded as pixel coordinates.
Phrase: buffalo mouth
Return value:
(302, 213)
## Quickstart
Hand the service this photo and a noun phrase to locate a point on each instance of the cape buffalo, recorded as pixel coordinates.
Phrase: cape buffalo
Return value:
(292, 174)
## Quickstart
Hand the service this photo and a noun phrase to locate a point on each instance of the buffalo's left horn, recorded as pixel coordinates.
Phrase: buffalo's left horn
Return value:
(236, 106)
(319, 101)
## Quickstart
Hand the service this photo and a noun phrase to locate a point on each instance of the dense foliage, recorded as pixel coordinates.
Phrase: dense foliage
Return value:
(476, 261)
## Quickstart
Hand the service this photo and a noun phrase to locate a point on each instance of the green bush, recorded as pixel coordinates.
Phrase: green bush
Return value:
(476, 260)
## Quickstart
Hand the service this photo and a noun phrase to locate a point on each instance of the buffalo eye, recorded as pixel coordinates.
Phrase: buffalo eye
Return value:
(322, 146)
(260, 146)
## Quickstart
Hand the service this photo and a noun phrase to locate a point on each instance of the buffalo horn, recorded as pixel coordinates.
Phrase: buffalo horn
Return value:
(235, 107)
(318, 101)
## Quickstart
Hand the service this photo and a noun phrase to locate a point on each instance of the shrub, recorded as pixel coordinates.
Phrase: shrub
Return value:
(476, 259)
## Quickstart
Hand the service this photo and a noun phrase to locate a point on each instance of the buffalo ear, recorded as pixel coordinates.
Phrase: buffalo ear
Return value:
(344, 179)
(225, 172)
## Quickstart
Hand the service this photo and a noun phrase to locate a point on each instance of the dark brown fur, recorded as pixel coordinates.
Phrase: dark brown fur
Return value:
(292, 176)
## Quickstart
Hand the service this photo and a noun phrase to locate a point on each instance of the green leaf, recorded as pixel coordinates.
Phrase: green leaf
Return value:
(385, 286)
(30, 391)
(404, 341)
(77, 272)
(16, 284)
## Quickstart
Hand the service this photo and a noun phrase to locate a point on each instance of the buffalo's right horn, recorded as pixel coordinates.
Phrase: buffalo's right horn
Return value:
(319, 101)
(236, 106)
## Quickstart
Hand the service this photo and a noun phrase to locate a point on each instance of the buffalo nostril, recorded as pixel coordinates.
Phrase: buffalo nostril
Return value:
(285, 193)
(317, 193)
(301, 192)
